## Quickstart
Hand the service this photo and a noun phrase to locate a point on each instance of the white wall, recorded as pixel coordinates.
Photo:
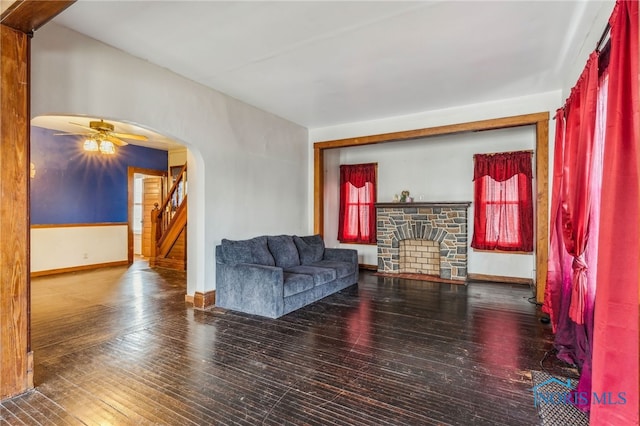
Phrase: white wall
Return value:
(66, 247)
(247, 168)
(597, 14)
(417, 166)
(439, 169)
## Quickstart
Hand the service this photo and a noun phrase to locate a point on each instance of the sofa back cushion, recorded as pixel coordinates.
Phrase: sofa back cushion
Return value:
(310, 248)
(254, 251)
(284, 250)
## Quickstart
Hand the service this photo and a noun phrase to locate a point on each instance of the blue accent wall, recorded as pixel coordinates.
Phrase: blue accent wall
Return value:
(74, 186)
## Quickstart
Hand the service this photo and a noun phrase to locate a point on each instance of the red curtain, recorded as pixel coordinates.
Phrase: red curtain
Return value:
(574, 339)
(503, 204)
(558, 264)
(575, 183)
(357, 220)
(615, 353)
(571, 213)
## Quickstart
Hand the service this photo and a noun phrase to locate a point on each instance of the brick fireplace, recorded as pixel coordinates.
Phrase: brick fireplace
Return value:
(420, 257)
(425, 228)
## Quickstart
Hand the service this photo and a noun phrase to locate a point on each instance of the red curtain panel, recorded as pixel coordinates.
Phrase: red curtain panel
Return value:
(615, 353)
(575, 206)
(574, 338)
(558, 264)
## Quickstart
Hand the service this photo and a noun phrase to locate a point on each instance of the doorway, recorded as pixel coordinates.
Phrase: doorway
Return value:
(146, 187)
(147, 192)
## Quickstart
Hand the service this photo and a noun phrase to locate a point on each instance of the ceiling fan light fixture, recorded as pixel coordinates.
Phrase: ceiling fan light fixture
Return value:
(90, 145)
(102, 138)
(107, 147)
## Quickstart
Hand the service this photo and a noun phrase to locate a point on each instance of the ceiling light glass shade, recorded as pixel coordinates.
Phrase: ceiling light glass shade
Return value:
(107, 147)
(90, 145)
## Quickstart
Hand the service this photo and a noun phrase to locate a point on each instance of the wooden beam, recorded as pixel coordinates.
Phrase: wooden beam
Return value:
(17, 22)
(541, 122)
(318, 191)
(542, 207)
(27, 16)
(14, 214)
(472, 126)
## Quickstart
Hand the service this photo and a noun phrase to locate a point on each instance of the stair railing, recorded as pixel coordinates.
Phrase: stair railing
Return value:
(161, 216)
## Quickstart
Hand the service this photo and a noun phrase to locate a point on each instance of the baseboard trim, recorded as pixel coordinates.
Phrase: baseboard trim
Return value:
(188, 299)
(368, 267)
(204, 300)
(500, 279)
(78, 268)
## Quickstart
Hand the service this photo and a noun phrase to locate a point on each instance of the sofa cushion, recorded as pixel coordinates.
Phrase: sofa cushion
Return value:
(310, 248)
(342, 268)
(254, 250)
(320, 275)
(296, 283)
(284, 250)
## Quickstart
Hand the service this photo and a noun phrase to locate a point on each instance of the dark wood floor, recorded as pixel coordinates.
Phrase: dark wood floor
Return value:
(119, 346)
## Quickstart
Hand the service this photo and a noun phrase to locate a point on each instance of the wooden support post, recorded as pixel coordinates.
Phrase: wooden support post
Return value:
(18, 20)
(14, 215)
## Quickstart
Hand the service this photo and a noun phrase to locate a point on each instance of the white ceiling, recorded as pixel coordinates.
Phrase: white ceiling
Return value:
(320, 63)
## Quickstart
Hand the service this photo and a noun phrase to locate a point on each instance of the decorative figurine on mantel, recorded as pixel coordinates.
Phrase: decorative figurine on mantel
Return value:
(404, 197)
(396, 198)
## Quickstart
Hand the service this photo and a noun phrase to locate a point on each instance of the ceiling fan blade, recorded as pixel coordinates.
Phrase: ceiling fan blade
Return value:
(69, 134)
(129, 136)
(84, 127)
(115, 140)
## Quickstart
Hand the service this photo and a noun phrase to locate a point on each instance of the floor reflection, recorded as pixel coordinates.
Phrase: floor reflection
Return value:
(120, 346)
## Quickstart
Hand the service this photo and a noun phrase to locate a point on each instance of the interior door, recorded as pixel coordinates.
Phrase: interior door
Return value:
(151, 194)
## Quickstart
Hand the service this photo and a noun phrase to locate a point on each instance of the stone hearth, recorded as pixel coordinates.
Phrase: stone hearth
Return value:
(442, 222)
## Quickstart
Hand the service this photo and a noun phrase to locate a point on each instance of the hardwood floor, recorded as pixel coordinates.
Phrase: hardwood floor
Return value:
(120, 346)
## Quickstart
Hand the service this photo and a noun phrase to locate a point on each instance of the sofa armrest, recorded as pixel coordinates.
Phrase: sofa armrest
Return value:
(341, 255)
(250, 288)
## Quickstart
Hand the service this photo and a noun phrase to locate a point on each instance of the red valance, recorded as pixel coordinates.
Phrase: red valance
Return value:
(358, 174)
(503, 166)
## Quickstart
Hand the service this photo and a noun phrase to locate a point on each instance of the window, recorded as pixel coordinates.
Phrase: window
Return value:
(503, 205)
(357, 221)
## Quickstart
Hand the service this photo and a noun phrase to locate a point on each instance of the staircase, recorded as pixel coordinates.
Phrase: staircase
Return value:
(169, 227)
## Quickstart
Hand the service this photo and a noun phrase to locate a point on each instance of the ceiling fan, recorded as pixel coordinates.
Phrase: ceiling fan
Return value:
(100, 136)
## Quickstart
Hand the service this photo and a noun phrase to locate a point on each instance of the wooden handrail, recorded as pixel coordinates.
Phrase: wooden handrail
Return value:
(174, 199)
(169, 238)
(163, 216)
(174, 187)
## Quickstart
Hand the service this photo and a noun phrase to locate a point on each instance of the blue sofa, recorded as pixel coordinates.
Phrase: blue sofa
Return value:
(271, 276)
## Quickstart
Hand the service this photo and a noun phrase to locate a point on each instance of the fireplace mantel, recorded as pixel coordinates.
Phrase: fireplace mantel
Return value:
(399, 205)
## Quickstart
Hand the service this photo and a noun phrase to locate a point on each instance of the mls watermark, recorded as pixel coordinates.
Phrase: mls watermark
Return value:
(570, 397)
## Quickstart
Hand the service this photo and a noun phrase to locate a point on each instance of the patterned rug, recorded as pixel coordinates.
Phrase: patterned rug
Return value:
(547, 396)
